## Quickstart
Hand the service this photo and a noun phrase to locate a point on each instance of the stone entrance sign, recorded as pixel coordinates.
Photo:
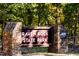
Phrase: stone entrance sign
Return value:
(48, 37)
(12, 38)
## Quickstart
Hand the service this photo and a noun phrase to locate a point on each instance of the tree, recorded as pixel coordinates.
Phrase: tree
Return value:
(71, 19)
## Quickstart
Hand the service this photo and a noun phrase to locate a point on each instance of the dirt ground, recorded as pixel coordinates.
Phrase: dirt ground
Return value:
(49, 54)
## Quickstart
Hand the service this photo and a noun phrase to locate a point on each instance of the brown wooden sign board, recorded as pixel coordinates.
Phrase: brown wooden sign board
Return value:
(37, 36)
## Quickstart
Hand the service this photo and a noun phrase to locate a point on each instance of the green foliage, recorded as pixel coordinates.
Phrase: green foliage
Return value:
(30, 14)
(71, 16)
(41, 14)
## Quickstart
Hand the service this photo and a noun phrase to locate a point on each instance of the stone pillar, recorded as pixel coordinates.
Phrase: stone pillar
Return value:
(53, 40)
(56, 46)
(12, 38)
